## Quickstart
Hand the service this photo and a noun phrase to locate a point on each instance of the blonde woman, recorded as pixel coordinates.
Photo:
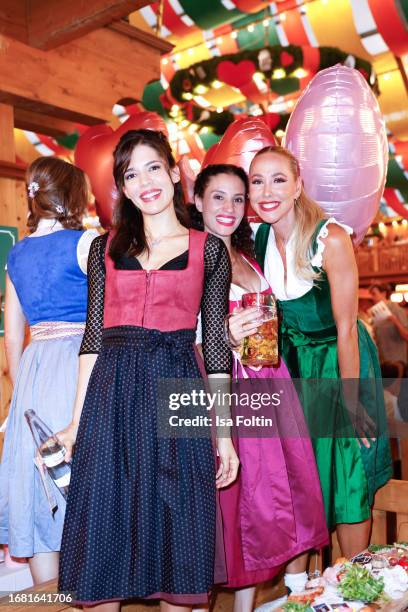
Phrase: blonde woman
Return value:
(309, 261)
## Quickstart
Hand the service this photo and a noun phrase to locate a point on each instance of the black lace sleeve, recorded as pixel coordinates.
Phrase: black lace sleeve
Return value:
(91, 342)
(214, 306)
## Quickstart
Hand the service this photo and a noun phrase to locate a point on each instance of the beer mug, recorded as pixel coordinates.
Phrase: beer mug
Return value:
(261, 349)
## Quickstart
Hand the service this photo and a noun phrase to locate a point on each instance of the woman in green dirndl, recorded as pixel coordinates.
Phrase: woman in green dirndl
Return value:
(310, 264)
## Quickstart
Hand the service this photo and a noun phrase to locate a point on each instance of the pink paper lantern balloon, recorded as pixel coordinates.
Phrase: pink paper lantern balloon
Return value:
(337, 133)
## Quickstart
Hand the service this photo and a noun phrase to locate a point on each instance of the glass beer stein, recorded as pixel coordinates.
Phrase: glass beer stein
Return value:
(261, 349)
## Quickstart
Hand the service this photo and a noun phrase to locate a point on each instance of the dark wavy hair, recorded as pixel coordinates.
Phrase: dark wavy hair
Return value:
(61, 193)
(241, 239)
(129, 237)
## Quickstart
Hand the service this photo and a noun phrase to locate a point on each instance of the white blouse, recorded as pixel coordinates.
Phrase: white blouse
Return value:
(236, 291)
(235, 295)
(49, 226)
(274, 270)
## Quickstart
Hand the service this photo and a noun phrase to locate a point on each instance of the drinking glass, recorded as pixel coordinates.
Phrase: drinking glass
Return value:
(261, 349)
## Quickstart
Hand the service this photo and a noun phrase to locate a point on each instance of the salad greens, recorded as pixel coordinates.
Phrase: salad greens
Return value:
(358, 583)
(375, 548)
(293, 606)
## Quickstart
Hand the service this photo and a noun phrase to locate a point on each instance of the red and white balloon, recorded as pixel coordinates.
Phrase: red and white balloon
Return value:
(94, 155)
(242, 139)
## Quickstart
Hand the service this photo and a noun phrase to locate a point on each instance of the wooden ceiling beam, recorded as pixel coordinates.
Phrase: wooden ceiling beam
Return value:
(52, 23)
(81, 80)
(48, 125)
(13, 19)
(12, 170)
(164, 46)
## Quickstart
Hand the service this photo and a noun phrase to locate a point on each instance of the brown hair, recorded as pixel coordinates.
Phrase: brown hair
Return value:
(62, 193)
(307, 214)
(129, 237)
(241, 239)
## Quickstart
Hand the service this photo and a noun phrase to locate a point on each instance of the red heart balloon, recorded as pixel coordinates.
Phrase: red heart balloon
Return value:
(286, 58)
(236, 75)
(272, 120)
(242, 139)
(94, 155)
(208, 158)
(187, 177)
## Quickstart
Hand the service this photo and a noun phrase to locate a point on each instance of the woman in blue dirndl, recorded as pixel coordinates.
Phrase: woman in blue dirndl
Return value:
(46, 289)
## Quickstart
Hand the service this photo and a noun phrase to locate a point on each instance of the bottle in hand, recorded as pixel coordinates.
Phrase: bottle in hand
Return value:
(51, 450)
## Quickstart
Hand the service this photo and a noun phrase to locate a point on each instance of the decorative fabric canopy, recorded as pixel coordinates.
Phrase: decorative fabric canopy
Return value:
(373, 30)
(253, 57)
(262, 76)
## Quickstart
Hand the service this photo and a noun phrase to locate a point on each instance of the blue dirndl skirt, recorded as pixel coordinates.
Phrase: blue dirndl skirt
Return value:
(46, 383)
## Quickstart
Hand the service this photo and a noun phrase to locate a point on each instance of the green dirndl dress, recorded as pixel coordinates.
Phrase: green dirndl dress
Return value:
(349, 473)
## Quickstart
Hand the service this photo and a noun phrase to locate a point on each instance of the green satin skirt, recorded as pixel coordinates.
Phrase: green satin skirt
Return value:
(349, 472)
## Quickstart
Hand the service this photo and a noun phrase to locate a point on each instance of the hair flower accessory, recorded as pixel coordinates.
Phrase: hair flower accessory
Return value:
(33, 188)
(59, 209)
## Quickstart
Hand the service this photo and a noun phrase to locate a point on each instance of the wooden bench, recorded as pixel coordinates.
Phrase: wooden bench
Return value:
(390, 514)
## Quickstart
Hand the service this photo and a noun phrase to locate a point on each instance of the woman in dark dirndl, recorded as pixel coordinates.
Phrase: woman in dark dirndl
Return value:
(141, 511)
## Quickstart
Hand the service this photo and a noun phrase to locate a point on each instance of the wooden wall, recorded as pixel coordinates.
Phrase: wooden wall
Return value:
(81, 80)
(13, 211)
(48, 91)
(388, 261)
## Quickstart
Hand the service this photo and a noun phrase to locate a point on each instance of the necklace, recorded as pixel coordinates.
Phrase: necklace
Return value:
(156, 241)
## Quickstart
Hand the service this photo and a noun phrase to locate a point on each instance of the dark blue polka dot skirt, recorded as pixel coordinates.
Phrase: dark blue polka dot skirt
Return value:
(140, 519)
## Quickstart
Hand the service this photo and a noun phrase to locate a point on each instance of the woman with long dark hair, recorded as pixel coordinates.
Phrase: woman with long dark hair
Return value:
(141, 509)
(259, 538)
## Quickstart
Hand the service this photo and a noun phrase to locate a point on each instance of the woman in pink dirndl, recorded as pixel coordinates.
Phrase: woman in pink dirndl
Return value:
(274, 511)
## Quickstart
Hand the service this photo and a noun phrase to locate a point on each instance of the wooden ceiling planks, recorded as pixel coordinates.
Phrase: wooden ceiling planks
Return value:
(13, 19)
(79, 81)
(46, 24)
(52, 22)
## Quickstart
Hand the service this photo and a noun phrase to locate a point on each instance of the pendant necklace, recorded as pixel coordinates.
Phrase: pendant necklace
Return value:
(155, 242)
